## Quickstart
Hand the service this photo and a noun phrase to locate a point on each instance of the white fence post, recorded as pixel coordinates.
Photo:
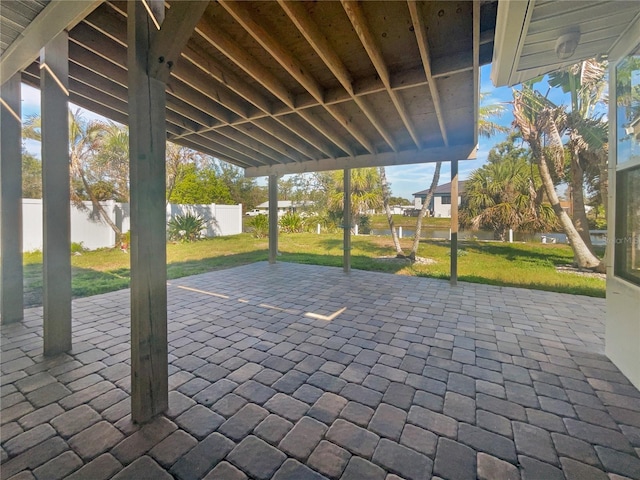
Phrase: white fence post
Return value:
(355, 229)
(318, 229)
(511, 235)
(399, 232)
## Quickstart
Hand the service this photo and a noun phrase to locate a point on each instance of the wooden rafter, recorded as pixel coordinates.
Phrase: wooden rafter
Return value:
(301, 19)
(358, 20)
(420, 30)
(293, 66)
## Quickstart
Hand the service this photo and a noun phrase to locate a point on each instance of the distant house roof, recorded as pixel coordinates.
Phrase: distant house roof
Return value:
(444, 189)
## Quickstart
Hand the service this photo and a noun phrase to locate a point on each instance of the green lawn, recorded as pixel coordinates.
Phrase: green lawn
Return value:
(518, 264)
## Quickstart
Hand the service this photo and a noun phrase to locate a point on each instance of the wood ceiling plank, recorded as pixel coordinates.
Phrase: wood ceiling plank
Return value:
(292, 66)
(420, 30)
(308, 28)
(358, 20)
(225, 44)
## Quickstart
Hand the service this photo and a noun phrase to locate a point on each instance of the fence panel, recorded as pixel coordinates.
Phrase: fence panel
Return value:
(88, 227)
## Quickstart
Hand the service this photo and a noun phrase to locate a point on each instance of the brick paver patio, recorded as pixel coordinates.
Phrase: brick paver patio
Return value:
(302, 372)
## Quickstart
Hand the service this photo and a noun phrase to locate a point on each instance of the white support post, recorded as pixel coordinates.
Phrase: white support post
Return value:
(511, 235)
(318, 229)
(56, 265)
(273, 218)
(149, 348)
(346, 215)
(11, 275)
(400, 232)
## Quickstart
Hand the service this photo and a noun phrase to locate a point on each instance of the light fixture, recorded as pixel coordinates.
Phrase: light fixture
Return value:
(566, 44)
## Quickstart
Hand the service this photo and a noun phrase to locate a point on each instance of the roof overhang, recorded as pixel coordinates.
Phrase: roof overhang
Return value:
(528, 33)
(285, 87)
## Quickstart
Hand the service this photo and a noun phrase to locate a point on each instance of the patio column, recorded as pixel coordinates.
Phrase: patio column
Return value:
(454, 222)
(11, 277)
(56, 201)
(346, 215)
(273, 218)
(147, 137)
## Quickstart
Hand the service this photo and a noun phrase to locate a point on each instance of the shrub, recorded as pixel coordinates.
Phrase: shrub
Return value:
(364, 225)
(292, 222)
(186, 228)
(77, 248)
(260, 226)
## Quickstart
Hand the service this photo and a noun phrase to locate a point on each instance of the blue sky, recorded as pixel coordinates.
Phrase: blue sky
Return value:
(405, 180)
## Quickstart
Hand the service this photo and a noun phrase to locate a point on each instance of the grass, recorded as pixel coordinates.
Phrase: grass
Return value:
(519, 265)
(379, 222)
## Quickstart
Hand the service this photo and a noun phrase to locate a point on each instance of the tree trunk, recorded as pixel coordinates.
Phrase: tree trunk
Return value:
(97, 206)
(423, 211)
(387, 210)
(577, 189)
(582, 255)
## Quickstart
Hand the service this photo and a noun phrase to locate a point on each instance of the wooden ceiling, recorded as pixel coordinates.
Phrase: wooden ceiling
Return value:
(285, 87)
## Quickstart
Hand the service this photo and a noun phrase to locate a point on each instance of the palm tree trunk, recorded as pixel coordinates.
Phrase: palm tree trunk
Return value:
(577, 189)
(423, 211)
(96, 204)
(582, 255)
(387, 210)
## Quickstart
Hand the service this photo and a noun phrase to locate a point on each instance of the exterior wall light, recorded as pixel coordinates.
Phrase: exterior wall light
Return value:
(566, 44)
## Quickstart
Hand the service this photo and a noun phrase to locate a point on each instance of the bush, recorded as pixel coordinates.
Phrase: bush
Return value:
(292, 222)
(364, 225)
(260, 226)
(186, 228)
(77, 248)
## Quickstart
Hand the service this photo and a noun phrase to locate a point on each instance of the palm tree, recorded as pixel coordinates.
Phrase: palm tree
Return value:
(85, 140)
(501, 195)
(587, 133)
(542, 125)
(486, 127)
(366, 192)
(423, 211)
(386, 195)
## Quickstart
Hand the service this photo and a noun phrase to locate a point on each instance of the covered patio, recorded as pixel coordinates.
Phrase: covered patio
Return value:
(287, 371)
(292, 371)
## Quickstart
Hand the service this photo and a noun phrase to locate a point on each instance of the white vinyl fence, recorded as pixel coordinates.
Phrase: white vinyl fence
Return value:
(88, 227)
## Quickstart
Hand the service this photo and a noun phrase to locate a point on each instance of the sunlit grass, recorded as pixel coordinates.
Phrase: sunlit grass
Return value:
(519, 264)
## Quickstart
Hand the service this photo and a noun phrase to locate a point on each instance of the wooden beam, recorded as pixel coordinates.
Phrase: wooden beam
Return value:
(292, 65)
(149, 347)
(420, 30)
(56, 17)
(346, 220)
(174, 34)
(11, 275)
(226, 77)
(405, 157)
(273, 218)
(223, 42)
(308, 28)
(56, 202)
(454, 223)
(358, 20)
